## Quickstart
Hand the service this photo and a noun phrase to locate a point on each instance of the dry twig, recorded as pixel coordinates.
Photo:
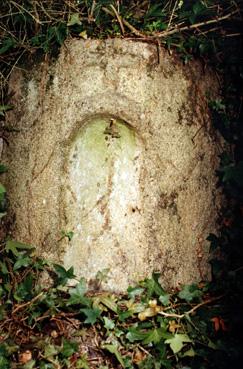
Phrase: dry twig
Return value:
(126, 23)
(118, 18)
(28, 303)
(192, 310)
(177, 29)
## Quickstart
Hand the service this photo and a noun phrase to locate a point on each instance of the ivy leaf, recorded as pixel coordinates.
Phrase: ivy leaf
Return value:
(77, 294)
(132, 292)
(151, 336)
(165, 299)
(109, 324)
(23, 261)
(50, 351)
(24, 289)
(135, 334)
(63, 274)
(7, 44)
(69, 348)
(74, 19)
(190, 292)
(123, 315)
(14, 246)
(108, 301)
(177, 342)
(156, 335)
(114, 350)
(153, 286)
(91, 314)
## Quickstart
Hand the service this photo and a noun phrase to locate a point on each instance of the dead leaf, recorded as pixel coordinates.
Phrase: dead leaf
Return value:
(54, 334)
(138, 356)
(216, 324)
(24, 357)
(149, 312)
(152, 303)
(219, 324)
(173, 326)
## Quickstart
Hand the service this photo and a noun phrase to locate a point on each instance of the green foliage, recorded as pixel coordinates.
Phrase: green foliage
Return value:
(16, 248)
(109, 324)
(63, 275)
(148, 335)
(114, 350)
(4, 108)
(68, 234)
(3, 168)
(190, 293)
(44, 27)
(149, 327)
(177, 342)
(153, 286)
(7, 44)
(91, 314)
(77, 294)
(3, 200)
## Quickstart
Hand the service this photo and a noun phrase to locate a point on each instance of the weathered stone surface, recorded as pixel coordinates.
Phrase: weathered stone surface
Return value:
(118, 148)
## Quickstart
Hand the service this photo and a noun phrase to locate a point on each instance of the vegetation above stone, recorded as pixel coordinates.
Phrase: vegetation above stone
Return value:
(61, 326)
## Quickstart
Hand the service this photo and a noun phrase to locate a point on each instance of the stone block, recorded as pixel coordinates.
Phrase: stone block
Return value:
(115, 144)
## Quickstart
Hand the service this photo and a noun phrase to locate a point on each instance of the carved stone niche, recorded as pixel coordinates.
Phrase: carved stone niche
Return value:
(118, 149)
(103, 200)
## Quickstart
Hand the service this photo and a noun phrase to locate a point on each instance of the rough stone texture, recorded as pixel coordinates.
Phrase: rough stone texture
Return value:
(117, 147)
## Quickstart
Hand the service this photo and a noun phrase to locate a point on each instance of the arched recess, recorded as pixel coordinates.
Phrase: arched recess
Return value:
(103, 202)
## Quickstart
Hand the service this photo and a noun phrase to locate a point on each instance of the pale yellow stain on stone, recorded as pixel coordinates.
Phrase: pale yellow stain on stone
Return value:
(103, 205)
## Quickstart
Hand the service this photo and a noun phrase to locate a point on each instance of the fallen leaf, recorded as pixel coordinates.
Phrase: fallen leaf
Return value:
(24, 357)
(216, 323)
(173, 326)
(219, 324)
(54, 334)
(152, 303)
(149, 312)
(83, 34)
(138, 356)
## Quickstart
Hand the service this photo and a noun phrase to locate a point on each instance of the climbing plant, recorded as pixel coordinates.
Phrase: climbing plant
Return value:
(190, 27)
(60, 326)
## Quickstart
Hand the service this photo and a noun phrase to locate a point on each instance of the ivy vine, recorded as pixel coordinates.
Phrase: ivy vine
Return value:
(59, 326)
